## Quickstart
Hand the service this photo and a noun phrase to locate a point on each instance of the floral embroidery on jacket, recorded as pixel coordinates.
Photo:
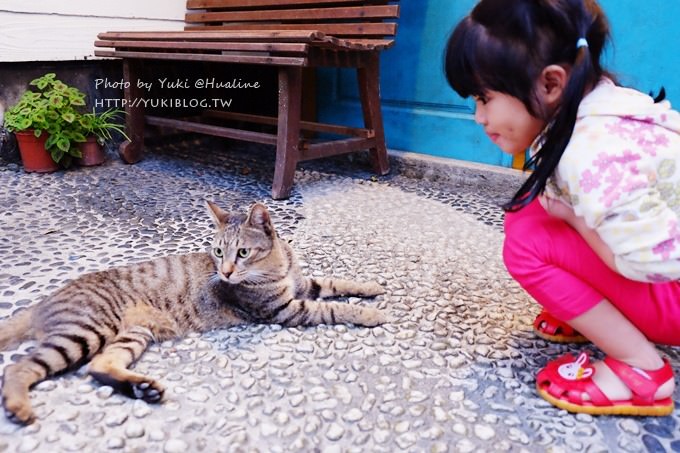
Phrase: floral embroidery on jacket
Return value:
(619, 172)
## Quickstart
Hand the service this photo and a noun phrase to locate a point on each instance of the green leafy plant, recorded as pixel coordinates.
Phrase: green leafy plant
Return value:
(102, 125)
(52, 108)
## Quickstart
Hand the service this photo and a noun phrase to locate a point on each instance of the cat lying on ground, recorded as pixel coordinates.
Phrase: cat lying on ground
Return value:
(109, 318)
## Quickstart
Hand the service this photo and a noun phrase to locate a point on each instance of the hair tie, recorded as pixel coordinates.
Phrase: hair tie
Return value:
(582, 42)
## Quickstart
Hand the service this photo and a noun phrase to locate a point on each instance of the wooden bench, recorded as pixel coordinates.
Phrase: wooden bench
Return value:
(287, 34)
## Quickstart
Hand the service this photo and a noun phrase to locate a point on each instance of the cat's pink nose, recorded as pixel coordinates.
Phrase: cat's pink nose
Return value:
(227, 270)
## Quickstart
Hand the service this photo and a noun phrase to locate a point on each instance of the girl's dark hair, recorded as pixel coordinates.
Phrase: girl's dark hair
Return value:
(504, 45)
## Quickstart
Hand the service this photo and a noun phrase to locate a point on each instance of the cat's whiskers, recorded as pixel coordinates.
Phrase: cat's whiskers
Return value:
(263, 276)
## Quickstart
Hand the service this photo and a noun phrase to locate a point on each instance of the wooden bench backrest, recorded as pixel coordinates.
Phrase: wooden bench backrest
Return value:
(353, 19)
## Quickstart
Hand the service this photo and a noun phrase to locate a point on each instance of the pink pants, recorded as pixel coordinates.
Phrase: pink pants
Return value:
(556, 266)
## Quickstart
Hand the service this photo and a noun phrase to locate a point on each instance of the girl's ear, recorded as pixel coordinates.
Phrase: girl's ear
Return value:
(551, 84)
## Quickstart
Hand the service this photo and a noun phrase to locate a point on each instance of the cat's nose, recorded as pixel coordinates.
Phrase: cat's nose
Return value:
(227, 269)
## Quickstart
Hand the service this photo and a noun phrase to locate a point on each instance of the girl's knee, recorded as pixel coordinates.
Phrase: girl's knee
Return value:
(516, 256)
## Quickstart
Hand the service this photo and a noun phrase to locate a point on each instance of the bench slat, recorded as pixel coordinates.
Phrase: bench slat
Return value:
(344, 13)
(313, 37)
(354, 44)
(356, 29)
(226, 46)
(226, 35)
(243, 4)
(228, 58)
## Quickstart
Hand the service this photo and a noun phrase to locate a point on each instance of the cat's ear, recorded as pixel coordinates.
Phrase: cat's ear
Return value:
(218, 215)
(258, 216)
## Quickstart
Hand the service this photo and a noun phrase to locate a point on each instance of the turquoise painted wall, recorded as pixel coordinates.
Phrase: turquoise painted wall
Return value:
(422, 114)
(646, 44)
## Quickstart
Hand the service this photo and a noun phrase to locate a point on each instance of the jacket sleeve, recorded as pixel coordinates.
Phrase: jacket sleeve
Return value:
(626, 195)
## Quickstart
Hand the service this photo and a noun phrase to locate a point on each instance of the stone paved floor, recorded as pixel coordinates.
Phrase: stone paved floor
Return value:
(453, 371)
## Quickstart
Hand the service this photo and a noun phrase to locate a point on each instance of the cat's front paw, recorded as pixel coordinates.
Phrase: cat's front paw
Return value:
(149, 391)
(371, 289)
(18, 412)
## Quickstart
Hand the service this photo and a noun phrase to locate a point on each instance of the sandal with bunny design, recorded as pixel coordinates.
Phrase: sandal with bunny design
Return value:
(552, 329)
(563, 382)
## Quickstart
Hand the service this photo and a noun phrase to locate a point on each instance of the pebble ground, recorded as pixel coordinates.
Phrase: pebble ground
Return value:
(453, 372)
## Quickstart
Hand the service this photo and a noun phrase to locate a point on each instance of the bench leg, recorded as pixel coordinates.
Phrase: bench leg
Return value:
(288, 141)
(369, 90)
(131, 150)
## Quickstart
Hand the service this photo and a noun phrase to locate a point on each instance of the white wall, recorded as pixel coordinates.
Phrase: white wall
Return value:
(56, 30)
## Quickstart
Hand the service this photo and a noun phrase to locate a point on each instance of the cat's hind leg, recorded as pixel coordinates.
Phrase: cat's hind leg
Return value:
(313, 288)
(110, 367)
(17, 380)
(54, 354)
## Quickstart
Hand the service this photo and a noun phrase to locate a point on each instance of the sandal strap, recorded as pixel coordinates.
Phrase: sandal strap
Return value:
(597, 397)
(551, 325)
(642, 383)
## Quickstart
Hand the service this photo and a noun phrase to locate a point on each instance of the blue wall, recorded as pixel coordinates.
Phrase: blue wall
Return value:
(646, 44)
(422, 114)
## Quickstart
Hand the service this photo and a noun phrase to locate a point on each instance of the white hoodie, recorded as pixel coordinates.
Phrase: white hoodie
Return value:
(621, 172)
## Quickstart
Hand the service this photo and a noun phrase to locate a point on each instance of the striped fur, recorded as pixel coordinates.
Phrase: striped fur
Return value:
(109, 318)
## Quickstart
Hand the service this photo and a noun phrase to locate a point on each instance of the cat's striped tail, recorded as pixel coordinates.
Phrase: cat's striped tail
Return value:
(16, 328)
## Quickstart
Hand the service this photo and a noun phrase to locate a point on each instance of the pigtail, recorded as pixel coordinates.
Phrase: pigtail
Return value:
(585, 73)
(659, 97)
(545, 161)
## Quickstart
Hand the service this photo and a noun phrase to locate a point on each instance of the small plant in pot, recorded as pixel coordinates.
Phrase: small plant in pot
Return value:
(45, 122)
(98, 128)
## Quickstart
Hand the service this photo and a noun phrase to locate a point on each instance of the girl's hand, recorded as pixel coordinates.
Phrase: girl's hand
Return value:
(559, 209)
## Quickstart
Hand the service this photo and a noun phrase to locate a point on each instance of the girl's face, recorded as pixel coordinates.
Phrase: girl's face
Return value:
(507, 121)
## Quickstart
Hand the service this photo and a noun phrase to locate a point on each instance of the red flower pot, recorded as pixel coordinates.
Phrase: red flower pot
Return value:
(92, 151)
(34, 156)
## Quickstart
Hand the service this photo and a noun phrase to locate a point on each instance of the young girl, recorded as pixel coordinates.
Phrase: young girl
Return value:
(594, 233)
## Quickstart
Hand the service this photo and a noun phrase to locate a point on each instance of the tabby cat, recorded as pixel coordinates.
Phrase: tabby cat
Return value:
(110, 317)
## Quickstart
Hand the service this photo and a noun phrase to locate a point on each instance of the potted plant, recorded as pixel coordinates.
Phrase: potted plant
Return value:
(46, 118)
(98, 128)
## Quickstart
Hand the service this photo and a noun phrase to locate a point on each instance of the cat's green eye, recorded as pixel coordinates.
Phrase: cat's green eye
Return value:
(218, 252)
(243, 253)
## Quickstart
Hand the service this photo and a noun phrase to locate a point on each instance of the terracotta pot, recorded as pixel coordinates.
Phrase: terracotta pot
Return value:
(34, 156)
(93, 153)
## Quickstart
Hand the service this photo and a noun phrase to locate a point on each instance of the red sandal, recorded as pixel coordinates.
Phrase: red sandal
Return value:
(563, 382)
(552, 329)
